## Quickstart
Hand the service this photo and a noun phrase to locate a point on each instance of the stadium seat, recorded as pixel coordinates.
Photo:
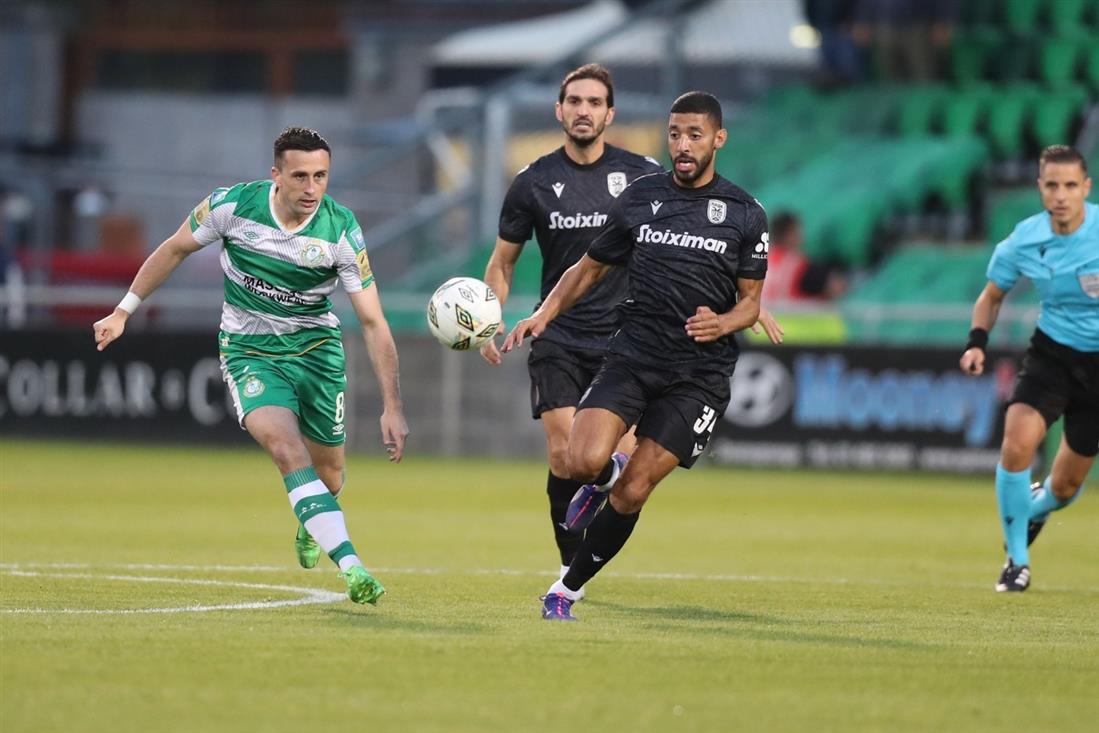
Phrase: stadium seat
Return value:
(962, 159)
(1008, 209)
(1066, 16)
(1058, 59)
(1021, 16)
(1056, 115)
(970, 52)
(1091, 64)
(964, 110)
(851, 235)
(1014, 58)
(919, 109)
(1008, 115)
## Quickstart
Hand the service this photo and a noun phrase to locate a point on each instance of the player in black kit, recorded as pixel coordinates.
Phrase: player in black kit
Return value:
(695, 250)
(564, 198)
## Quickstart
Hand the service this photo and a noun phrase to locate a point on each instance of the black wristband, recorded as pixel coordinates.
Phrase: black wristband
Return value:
(978, 339)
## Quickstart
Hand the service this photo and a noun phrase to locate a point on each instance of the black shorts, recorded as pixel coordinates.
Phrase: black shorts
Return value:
(675, 409)
(1057, 380)
(559, 375)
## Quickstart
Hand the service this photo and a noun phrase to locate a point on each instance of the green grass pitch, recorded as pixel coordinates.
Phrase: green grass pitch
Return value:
(746, 601)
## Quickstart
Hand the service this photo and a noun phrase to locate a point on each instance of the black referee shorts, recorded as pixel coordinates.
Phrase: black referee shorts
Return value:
(678, 410)
(559, 375)
(1057, 380)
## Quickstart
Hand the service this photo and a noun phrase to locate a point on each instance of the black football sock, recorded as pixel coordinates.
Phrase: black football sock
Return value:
(560, 491)
(605, 537)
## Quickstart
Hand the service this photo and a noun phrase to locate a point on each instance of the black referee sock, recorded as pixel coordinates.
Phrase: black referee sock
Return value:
(605, 537)
(561, 491)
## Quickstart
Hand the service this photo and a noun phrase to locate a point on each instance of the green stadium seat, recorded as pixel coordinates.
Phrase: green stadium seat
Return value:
(919, 109)
(1021, 16)
(1066, 16)
(1056, 114)
(851, 235)
(964, 110)
(1008, 116)
(1008, 209)
(962, 159)
(970, 53)
(1091, 64)
(1015, 58)
(1058, 60)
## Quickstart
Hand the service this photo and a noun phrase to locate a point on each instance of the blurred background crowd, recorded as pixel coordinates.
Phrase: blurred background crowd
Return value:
(892, 141)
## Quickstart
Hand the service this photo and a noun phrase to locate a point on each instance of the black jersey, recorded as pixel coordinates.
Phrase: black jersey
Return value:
(566, 204)
(685, 248)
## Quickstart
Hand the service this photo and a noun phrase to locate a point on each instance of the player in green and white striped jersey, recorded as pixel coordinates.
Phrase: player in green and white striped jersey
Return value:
(285, 245)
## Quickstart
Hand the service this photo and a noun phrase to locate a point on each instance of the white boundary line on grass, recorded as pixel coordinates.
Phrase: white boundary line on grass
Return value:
(714, 578)
(308, 596)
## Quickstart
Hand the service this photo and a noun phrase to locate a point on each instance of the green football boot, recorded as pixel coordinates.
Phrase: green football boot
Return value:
(309, 552)
(361, 585)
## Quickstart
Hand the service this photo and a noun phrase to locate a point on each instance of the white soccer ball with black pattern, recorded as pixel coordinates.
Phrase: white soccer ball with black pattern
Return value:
(463, 313)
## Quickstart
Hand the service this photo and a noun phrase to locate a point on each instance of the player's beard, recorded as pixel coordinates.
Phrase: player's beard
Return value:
(591, 137)
(701, 164)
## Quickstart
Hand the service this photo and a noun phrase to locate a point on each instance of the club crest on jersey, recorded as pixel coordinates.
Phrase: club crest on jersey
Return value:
(312, 254)
(616, 183)
(715, 211)
(1090, 284)
(253, 387)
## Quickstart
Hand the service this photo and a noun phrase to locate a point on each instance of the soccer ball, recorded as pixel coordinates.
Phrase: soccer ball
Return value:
(463, 313)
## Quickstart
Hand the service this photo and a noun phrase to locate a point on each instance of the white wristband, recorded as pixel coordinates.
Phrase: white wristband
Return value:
(130, 302)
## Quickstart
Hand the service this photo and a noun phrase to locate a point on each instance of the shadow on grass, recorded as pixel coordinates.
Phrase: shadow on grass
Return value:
(687, 613)
(755, 626)
(364, 618)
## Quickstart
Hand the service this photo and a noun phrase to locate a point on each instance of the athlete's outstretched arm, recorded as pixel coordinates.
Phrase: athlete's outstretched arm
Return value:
(383, 357)
(498, 274)
(705, 325)
(154, 271)
(576, 281)
(985, 312)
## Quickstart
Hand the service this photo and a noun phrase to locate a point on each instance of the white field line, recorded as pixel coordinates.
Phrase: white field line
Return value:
(704, 577)
(308, 596)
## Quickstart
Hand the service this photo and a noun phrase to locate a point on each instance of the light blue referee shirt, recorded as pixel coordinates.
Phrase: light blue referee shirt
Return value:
(1064, 269)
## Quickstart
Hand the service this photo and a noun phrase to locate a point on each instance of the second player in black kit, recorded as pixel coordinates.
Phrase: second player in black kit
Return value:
(565, 204)
(694, 247)
(563, 198)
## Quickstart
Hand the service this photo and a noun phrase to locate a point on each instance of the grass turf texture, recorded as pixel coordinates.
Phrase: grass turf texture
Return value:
(796, 602)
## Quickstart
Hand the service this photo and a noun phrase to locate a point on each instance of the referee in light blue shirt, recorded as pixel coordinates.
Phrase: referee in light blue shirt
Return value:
(1058, 250)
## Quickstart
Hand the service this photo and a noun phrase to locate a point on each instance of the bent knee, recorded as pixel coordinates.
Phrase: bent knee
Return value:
(631, 495)
(332, 476)
(288, 455)
(584, 463)
(559, 460)
(1016, 455)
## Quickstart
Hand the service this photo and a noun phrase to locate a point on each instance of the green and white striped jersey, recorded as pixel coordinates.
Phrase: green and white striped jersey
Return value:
(277, 281)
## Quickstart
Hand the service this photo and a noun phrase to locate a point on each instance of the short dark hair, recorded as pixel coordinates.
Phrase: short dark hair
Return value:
(699, 103)
(1063, 154)
(782, 224)
(589, 71)
(299, 138)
